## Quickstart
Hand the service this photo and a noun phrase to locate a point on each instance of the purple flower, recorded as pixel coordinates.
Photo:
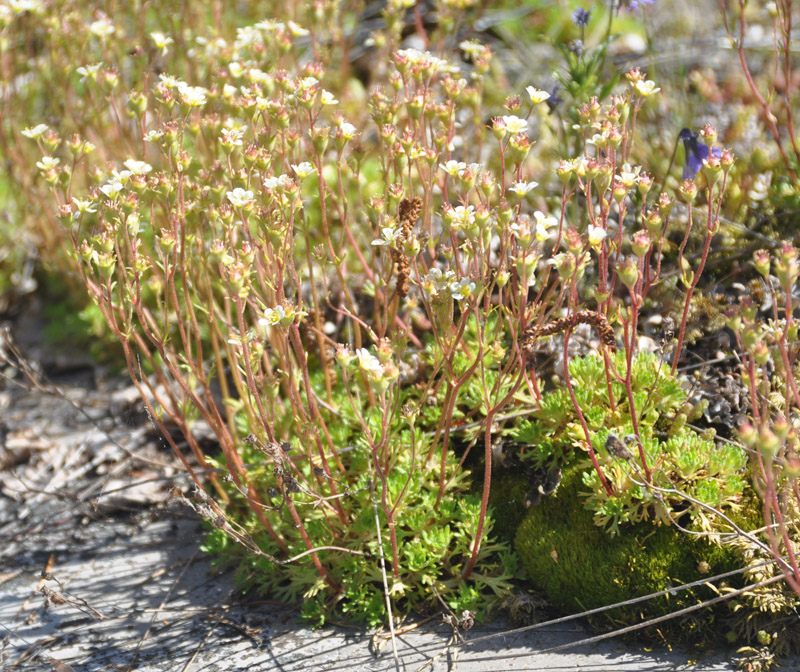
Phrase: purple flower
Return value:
(580, 17)
(696, 153)
(634, 4)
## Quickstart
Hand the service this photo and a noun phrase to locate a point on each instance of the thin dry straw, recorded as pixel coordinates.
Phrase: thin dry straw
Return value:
(564, 619)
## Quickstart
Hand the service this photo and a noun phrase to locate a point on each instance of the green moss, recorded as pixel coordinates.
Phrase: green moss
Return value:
(507, 501)
(580, 567)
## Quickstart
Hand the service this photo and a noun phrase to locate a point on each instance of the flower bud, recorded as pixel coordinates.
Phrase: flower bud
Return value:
(688, 191)
(628, 272)
(768, 443)
(653, 223)
(641, 243)
(761, 261)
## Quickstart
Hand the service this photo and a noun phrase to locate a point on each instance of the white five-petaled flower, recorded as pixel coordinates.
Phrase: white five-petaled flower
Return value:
(453, 168)
(307, 83)
(101, 28)
(231, 137)
(84, 206)
(326, 98)
(240, 198)
(21, 6)
(153, 136)
(522, 188)
(138, 167)
(596, 235)
(303, 170)
(347, 130)
(537, 95)
(111, 189)
(272, 316)
(162, 42)
(461, 216)
(426, 60)
(89, 71)
(472, 48)
(193, 96)
(276, 182)
(171, 82)
(461, 289)
(514, 124)
(236, 69)
(390, 237)
(36, 132)
(47, 163)
(369, 362)
(247, 36)
(629, 176)
(543, 225)
(121, 176)
(297, 30)
(645, 88)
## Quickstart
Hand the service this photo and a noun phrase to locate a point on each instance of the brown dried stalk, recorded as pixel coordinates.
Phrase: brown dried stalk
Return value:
(591, 317)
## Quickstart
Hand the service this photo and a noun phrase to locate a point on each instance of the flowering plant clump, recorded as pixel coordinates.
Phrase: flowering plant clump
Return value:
(361, 286)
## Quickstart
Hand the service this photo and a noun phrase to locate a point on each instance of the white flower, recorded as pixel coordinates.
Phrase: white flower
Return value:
(461, 216)
(426, 60)
(303, 170)
(326, 98)
(171, 82)
(272, 316)
(89, 71)
(240, 198)
(596, 235)
(522, 188)
(308, 83)
(521, 230)
(369, 362)
(231, 137)
(629, 176)
(390, 236)
(84, 206)
(36, 132)
(645, 88)
(47, 163)
(543, 225)
(138, 167)
(247, 36)
(270, 26)
(599, 139)
(101, 28)
(153, 136)
(111, 189)
(296, 29)
(472, 48)
(514, 124)
(537, 95)
(276, 182)
(453, 168)
(236, 69)
(193, 96)
(257, 76)
(462, 289)
(121, 176)
(161, 41)
(21, 6)
(347, 130)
